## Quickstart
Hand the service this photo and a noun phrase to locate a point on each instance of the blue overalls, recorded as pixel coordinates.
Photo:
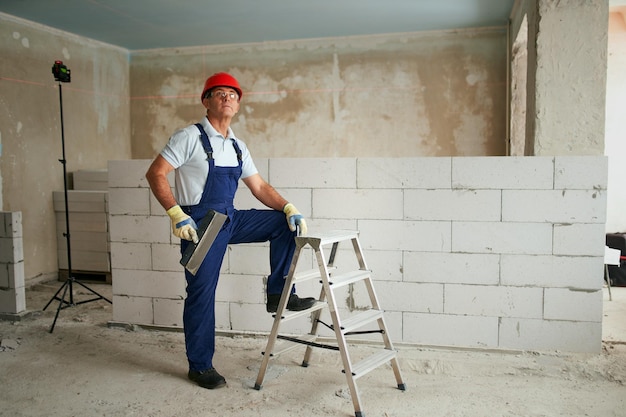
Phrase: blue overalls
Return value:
(242, 226)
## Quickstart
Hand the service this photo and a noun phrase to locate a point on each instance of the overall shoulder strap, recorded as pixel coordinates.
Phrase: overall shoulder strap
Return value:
(237, 150)
(205, 142)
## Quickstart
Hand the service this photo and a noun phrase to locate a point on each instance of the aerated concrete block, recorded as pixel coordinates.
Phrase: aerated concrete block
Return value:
(550, 335)
(359, 204)
(312, 173)
(405, 235)
(411, 296)
(493, 301)
(581, 172)
(132, 201)
(168, 312)
(557, 206)
(134, 310)
(404, 173)
(452, 268)
(474, 205)
(450, 330)
(572, 305)
(499, 237)
(506, 173)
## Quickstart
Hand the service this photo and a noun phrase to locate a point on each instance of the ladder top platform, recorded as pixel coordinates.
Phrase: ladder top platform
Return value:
(324, 238)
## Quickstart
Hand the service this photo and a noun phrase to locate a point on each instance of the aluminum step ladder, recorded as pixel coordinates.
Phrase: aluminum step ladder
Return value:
(341, 327)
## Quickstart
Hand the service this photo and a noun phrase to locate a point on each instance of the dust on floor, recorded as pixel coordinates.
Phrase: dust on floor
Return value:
(87, 368)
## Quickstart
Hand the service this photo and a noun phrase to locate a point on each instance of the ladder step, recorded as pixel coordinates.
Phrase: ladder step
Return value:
(372, 362)
(309, 274)
(306, 275)
(326, 238)
(288, 315)
(348, 278)
(360, 319)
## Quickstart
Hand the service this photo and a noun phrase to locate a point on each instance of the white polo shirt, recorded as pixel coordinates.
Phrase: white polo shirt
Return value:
(184, 151)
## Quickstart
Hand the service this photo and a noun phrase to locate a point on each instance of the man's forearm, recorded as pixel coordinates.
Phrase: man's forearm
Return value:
(160, 186)
(270, 197)
(162, 192)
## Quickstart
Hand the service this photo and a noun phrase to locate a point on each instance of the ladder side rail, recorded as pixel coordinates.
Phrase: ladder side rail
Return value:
(354, 394)
(347, 362)
(271, 341)
(325, 290)
(341, 340)
(324, 270)
(332, 307)
(331, 257)
(386, 339)
(326, 287)
(382, 325)
(289, 283)
(372, 293)
(358, 250)
(315, 316)
(395, 364)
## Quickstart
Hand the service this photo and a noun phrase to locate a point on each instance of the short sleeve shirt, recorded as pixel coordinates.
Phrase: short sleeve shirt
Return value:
(184, 151)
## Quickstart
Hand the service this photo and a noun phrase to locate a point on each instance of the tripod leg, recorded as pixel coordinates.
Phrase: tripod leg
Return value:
(54, 297)
(101, 297)
(65, 286)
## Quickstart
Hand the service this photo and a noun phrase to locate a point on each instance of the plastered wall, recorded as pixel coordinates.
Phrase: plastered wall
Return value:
(566, 74)
(501, 252)
(418, 94)
(96, 116)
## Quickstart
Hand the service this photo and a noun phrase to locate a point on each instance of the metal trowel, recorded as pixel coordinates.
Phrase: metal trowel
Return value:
(209, 227)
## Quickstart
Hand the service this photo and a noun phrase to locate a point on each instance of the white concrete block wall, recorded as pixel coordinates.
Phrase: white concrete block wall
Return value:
(12, 289)
(494, 252)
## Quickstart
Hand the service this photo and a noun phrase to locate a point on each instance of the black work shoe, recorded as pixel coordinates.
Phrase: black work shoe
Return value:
(208, 378)
(295, 303)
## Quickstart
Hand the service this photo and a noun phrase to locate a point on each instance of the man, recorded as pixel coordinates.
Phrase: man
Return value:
(209, 161)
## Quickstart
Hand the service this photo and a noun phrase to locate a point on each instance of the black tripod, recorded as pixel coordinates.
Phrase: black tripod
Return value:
(62, 74)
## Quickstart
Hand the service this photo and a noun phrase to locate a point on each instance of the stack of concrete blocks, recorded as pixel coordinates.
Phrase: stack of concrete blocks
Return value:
(148, 280)
(88, 215)
(12, 290)
(91, 180)
(479, 252)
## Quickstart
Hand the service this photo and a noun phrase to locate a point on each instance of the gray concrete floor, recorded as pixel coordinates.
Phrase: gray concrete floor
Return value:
(86, 368)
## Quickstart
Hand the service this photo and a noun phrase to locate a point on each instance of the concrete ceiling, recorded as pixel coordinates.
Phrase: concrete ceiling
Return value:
(149, 24)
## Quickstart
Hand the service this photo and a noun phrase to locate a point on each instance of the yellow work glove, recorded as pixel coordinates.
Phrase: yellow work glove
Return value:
(183, 226)
(294, 218)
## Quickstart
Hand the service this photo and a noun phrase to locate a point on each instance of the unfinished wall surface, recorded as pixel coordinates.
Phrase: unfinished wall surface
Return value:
(501, 252)
(96, 122)
(571, 77)
(566, 79)
(417, 94)
(518, 78)
(616, 121)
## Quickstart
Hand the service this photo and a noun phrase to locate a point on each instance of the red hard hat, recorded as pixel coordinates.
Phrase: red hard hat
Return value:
(221, 79)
